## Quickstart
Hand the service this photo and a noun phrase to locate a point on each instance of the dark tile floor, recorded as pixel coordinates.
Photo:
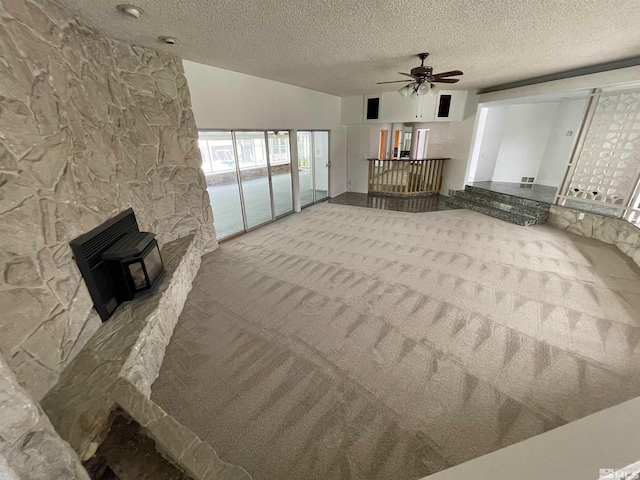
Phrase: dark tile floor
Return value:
(434, 203)
(540, 193)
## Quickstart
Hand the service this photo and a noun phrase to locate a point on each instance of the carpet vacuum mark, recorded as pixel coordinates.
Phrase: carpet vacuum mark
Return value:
(353, 343)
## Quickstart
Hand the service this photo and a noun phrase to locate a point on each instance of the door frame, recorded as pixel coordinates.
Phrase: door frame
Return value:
(313, 160)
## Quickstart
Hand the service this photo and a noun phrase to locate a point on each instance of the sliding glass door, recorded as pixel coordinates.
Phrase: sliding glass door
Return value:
(313, 166)
(248, 177)
(280, 166)
(254, 177)
(305, 168)
(219, 166)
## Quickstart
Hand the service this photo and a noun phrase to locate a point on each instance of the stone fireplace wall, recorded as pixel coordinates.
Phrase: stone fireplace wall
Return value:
(88, 127)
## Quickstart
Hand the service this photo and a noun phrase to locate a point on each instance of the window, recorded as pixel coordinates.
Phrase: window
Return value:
(278, 148)
(216, 156)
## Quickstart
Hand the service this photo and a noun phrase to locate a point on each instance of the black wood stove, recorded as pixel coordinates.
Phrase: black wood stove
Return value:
(118, 262)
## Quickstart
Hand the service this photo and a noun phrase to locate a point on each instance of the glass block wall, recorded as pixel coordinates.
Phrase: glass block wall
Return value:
(606, 174)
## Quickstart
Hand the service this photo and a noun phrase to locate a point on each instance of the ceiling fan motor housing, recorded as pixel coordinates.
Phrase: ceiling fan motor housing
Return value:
(422, 71)
(424, 74)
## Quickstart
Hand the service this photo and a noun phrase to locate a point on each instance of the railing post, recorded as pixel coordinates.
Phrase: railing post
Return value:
(407, 176)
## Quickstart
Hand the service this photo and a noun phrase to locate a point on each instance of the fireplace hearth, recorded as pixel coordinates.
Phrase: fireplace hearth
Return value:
(118, 262)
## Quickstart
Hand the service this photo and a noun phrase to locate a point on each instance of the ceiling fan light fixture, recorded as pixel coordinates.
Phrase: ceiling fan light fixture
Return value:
(405, 91)
(423, 89)
(433, 91)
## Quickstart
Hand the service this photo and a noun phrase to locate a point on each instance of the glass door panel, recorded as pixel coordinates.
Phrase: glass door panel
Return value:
(305, 172)
(321, 165)
(254, 177)
(280, 162)
(219, 166)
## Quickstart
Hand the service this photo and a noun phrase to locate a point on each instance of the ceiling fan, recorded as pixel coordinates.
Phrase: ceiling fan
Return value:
(423, 80)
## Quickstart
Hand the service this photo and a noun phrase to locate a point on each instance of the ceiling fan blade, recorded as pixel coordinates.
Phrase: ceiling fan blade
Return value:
(445, 80)
(448, 74)
(395, 81)
(407, 74)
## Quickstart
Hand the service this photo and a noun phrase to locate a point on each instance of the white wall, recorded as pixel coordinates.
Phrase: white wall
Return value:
(523, 141)
(459, 148)
(559, 147)
(363, 142)
(228, 100)
(576, 451)
(491, 130)
(352, 110)
(452, 140)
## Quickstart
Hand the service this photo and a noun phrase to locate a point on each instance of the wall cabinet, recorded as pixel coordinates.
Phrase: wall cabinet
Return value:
(450, 106)
(389, 107)
(372, 108)
(397, 109)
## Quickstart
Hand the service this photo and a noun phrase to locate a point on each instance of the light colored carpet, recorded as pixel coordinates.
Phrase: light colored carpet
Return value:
(353, 343)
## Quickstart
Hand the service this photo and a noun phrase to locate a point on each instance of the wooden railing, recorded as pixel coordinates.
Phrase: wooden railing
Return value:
(405, 177)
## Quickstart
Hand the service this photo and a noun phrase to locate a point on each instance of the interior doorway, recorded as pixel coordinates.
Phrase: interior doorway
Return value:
(382, 148)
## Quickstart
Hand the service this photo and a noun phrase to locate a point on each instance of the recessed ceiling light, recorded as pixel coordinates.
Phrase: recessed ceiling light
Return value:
(131, 10)
(168, 40)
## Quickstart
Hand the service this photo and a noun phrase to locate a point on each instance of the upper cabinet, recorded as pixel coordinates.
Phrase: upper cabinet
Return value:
(397, 109)
(389, 107)
(372, 108)
(450, 106)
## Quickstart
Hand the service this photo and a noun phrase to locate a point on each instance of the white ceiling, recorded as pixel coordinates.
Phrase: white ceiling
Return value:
(344, 47)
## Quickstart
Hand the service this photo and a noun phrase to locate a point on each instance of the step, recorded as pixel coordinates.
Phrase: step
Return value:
(507, 216)
(535, 211)
(506, 198)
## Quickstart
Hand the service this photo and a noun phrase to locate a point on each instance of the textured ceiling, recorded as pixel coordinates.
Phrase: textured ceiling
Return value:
(344, 47)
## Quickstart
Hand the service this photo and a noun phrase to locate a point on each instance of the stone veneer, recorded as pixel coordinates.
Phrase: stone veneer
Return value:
(29, 446)
(115, 369)
(88, 127)
(620, 233)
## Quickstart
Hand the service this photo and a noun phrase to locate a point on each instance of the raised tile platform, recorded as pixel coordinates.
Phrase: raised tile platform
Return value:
(519, 210)
(530, 191)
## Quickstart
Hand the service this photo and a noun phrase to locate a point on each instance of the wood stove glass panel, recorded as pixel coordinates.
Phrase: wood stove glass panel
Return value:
(138, 276)
(153, 263)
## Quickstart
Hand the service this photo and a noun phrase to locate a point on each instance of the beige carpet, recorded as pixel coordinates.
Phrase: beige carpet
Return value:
(353, 343)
